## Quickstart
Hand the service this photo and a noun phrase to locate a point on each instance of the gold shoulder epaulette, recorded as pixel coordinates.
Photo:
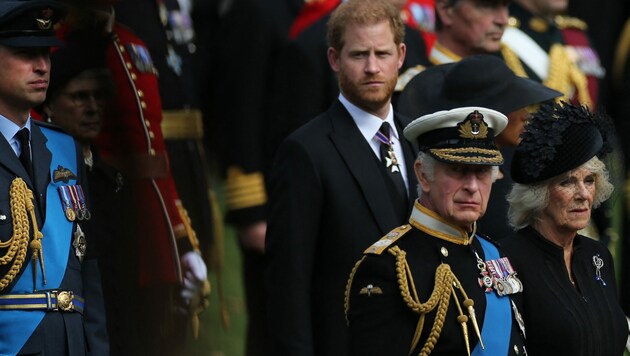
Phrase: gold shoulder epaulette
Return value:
(564, 22)
(381, 245)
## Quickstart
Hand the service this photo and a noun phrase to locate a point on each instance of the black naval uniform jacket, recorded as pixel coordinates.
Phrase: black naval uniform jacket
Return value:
(381, 323)
(330, 198)
(563, 320)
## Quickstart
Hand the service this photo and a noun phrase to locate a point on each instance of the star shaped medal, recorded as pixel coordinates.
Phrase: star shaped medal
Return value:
(391, 162)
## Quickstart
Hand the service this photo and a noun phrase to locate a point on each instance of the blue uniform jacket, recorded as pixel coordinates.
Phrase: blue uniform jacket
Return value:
(50, 332)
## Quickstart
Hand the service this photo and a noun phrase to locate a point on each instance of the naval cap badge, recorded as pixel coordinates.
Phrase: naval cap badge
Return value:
(473, 127)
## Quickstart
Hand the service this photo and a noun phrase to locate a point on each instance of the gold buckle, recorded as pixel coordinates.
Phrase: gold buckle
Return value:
(64, 301)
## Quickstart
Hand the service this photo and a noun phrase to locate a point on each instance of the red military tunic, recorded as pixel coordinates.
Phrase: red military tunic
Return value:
(131, 140)
(310, 13)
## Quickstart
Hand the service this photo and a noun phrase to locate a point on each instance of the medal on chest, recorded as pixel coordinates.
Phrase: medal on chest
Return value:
(79, 243)
(498, 274)
(141, 58)
(391, 161)
(73, 202)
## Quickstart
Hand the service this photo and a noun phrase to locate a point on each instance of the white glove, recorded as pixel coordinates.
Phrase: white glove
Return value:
(195, 275)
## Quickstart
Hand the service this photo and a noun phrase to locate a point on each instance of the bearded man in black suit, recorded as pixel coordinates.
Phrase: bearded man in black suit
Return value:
(338, 183)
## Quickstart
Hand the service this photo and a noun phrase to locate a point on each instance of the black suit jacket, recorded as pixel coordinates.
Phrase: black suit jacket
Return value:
(306, 85)
(329, 202)
(58, 333)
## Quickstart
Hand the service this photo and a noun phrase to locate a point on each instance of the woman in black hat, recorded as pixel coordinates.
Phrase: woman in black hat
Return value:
(570, 294)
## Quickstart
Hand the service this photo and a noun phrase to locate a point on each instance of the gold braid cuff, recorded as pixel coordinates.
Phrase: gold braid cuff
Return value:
(244, 190)
(182, 124)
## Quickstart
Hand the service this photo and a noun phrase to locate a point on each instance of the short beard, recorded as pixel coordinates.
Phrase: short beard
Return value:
(370, 101)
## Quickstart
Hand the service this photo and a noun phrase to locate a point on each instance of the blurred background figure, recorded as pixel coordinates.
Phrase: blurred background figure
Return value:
(462, 28)
(553, 49)
(238, 54)
(79, 89)
(467, 27)
(605, 24)
(167, 30)
(619, 106)
(171, 274)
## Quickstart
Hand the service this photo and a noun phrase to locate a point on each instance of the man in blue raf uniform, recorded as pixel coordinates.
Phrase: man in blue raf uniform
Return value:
(436, 286)
(50, 297)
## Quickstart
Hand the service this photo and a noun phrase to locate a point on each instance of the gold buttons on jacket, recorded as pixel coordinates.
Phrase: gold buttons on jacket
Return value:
(140, 94)
(134, 76)
(152, 152)
(151, 135)
(444, 251)
(129, 65)
(147, 123)
(143, 105)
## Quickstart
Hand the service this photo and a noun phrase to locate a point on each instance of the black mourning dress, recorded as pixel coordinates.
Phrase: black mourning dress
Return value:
(560, 319)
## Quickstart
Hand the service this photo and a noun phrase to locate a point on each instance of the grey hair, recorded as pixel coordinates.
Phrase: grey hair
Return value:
(427, 163)
(427, 167)
(527, 201)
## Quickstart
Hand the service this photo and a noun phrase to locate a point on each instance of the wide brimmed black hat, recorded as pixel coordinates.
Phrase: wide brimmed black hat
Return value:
(462, 135)
(30, 23)
(557, 139)
(480, 80)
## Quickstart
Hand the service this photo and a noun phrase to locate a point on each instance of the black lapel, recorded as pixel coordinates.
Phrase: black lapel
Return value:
(10, 160)
(41, 164)
(359, 158)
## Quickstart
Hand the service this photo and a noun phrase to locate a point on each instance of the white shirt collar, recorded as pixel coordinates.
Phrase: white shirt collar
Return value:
(9, 129)
(367, 123)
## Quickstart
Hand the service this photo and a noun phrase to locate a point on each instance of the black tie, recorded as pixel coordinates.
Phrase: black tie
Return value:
(25, 153)
(392, 165)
